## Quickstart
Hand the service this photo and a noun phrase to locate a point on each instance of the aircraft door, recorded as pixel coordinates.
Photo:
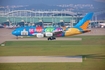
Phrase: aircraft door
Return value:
(24, 32)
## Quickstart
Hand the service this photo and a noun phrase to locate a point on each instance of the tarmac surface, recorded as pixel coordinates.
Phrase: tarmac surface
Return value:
(38, 39)
(5, 35)
(31, 59)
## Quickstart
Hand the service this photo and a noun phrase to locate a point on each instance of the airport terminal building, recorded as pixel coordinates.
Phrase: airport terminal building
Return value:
(40, 18)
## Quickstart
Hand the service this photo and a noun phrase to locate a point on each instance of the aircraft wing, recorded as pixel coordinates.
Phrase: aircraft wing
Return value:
(84, 31)
(57, 33)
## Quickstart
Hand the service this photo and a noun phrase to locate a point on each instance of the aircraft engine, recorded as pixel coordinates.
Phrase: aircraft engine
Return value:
(48, 34)
(39, 35)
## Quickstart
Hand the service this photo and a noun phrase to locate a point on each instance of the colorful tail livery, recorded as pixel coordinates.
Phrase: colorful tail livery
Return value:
(53, 32)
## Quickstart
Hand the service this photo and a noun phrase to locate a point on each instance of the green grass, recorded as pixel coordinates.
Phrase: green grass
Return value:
(50, 50)
(88, 45)
(91, 48)
(54, 66)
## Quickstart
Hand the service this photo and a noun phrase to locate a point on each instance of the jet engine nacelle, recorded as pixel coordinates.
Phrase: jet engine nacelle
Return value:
(39, 35)
(48, 34)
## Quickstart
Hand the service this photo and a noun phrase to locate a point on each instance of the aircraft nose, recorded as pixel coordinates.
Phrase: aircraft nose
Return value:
(14, 32)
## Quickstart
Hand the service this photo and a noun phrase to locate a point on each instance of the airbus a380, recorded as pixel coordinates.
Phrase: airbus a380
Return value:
(52, 32)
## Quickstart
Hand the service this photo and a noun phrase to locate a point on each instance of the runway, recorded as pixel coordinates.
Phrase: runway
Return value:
(32, 59)
(39, 39)
(5, 35)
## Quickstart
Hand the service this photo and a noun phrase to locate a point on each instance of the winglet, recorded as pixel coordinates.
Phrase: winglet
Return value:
(83, 24)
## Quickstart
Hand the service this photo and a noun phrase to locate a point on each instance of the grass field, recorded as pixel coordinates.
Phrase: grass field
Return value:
(92, 49)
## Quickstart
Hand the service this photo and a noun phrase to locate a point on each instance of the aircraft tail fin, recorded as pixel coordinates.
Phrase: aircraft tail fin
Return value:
(83, 24)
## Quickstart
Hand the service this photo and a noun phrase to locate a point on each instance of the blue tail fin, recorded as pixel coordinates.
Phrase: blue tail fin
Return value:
(83, 24)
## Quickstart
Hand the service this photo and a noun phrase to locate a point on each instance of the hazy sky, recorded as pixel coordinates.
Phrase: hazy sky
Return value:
(52, 2)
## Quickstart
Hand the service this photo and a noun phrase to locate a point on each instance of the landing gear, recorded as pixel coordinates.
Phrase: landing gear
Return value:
(16, 37)
(52, 38)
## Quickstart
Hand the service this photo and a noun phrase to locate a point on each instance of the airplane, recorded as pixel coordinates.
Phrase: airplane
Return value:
(11, 27)
(52, 32)
(102, 25)
(1, 26)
